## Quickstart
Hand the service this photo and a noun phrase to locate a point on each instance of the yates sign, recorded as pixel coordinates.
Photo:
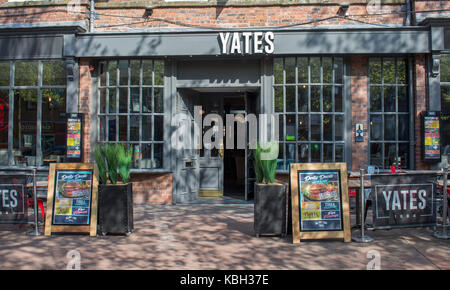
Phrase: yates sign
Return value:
(404, 204)
(247, 42)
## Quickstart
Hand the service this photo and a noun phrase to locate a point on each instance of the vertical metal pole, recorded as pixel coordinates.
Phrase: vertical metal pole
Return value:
(445, 205)
(362, 197)
(36, 226)
(444, 234)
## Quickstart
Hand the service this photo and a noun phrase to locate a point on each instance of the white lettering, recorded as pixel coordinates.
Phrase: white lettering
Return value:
(396, 201)
(270, 46)
(423, 203)
(387, 198)
(257, 42)
(236, 44)
(247, 36)
(224, 40)
(263, 42)
(404, 193)
(13, 196)
(412, 199)
(5, 197)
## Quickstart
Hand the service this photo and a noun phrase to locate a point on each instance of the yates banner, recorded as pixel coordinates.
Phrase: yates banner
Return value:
(406, 202)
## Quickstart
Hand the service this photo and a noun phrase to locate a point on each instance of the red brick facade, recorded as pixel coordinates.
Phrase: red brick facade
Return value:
(359, 96)
(152, 188)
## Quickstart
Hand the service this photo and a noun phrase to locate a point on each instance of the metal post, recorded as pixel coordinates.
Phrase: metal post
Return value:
(362, 197)
(444, 234)
(36, 226)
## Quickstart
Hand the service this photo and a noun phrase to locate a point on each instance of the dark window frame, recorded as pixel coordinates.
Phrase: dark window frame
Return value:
(309, 113)
(39, 87)
(382, 113)
(117, 86)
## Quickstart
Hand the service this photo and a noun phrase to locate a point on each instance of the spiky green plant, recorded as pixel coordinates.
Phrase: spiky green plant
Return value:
(100, 160)
(265, 169)
(112, 160)
(125, 159)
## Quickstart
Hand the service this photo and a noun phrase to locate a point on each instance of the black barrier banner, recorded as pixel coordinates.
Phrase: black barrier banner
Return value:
(12, 200)
(403, 204)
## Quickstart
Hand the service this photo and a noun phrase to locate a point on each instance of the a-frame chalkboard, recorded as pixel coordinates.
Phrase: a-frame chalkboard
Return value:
(320, 207)
(72, 198)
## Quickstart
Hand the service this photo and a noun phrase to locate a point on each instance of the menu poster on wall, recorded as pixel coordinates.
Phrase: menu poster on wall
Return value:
(72, 201)
(73, 150)
(320, 201)
(432, 137)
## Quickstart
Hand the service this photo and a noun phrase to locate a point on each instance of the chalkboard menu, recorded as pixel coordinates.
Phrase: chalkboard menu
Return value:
(320, 208)
(72, 198)
(72, 203)
(432, 136)
(320, 200)
(73, 151)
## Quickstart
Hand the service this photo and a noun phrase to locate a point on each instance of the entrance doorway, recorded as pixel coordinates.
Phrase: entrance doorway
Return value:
(216, 174)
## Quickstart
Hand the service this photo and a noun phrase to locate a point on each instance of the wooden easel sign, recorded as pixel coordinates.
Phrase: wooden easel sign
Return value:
(320, 207)
(72, 198)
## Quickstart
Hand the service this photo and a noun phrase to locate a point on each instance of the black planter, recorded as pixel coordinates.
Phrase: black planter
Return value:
(115, 208)
(270, 209)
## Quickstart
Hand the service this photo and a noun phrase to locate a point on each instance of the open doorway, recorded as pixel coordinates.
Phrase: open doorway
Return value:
(220, 175)
(234, 159)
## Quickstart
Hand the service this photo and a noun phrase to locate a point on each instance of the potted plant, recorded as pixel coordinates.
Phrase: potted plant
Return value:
(270, 197)
(115, 199)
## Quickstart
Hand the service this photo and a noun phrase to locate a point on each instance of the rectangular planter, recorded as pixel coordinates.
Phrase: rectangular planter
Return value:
(270, 209)
(115, 208)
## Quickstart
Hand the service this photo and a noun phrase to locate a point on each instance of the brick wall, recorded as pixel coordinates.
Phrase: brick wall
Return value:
(358, 76)
(39, 14)
(84, 99)
(420, 98)
(152, 187)
(241, 17)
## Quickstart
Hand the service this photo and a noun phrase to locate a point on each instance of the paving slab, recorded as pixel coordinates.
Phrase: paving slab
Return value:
(210, 237)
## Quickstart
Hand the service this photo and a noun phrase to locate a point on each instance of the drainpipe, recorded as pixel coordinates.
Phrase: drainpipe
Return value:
(92, 16)
(408, 21)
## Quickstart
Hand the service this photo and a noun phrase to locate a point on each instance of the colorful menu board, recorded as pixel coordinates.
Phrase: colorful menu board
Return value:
(73, 136)
(432, 137)
(72, 201)
(320, 201)
(72, 198)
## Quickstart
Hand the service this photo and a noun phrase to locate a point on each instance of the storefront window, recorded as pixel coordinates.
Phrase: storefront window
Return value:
(445, 102)
(308, 96)
(37, 93)
(131, 108)
(388, 112)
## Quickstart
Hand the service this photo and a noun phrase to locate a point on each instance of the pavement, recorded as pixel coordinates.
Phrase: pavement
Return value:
(216, 237)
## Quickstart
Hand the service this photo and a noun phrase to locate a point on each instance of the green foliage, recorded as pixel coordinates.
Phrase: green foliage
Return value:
(111, 156)
(100, 160)
(265, 170)
(125, 159)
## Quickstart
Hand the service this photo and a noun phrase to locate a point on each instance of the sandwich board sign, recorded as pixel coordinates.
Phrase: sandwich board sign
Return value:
(320, 207)
(72, 198)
